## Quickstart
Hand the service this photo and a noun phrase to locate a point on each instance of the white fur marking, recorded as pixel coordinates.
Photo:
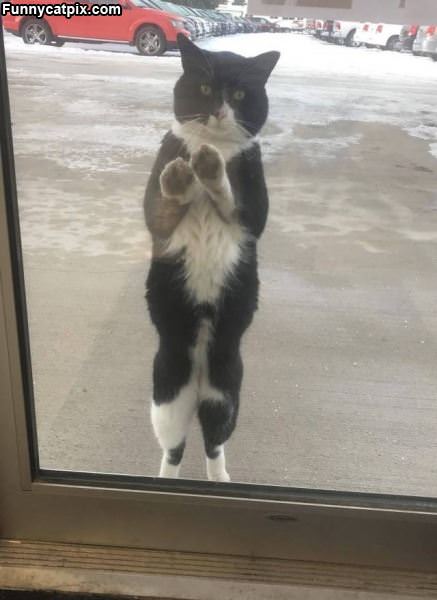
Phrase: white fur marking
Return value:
(168, 470)
(212, 248)
(225, 134)
(171, 420)
(200, 364)
(216, 467)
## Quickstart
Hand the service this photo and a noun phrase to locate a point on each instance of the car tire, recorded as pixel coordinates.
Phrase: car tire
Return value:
(36, 31)
(150, 41)
(434, 57)
(415, 53)
(349, 41)
(391, 43)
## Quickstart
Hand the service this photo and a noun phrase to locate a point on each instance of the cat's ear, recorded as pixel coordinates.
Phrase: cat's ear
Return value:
(193, 58)
(261, 66)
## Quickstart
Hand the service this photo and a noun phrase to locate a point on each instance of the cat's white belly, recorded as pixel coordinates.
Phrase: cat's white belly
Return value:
(211, 249)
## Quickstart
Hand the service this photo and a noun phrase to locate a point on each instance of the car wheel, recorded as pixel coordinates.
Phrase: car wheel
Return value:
(434, 57)
(150, 41)
(36, 31)
(392, 42)
(415, 53)
(349, 41)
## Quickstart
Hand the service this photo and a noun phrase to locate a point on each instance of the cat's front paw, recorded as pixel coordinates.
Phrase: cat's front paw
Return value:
(209, 165)
(176, 179)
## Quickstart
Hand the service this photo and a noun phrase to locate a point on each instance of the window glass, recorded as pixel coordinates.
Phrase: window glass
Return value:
(325, 378)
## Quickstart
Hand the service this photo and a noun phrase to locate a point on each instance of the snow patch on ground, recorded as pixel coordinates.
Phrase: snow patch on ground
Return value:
(301, 54)
(109, 108)
(361, 85)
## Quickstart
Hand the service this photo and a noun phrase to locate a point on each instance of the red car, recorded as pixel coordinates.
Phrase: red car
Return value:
(151, 31)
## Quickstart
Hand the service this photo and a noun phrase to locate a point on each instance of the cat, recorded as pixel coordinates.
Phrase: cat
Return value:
(206, 205)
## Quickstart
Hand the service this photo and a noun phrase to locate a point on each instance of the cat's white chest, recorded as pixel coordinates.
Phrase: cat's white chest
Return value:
(229, 138)
(211, 249)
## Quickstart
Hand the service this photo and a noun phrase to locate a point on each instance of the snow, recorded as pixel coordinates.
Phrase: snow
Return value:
(359, 84)
(302, 54)
(109, 108)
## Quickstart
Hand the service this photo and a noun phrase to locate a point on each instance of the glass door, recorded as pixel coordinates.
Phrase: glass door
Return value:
(336, 407)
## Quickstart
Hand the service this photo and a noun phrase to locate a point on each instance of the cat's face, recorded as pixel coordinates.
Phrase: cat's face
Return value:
(223, 91)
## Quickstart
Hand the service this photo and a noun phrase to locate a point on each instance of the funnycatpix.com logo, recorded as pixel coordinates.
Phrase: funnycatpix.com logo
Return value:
(60, 10)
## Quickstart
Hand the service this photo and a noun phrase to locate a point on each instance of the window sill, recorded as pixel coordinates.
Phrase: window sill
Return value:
(191, 576)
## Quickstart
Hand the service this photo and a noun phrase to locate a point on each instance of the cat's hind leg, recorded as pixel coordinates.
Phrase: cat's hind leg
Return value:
(217, 420)
(218, 409)
(173, 407)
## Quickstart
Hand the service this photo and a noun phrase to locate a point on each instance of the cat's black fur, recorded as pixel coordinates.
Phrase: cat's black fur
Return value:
(175, 315)
(225, 72)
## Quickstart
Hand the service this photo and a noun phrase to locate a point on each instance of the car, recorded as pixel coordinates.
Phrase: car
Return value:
(226, 25)
(222, 23)
(152, 31)
(173, 9)
(232, 26)
(255, 24)
(343, 32)
(310, 25)
(364, 34)
(285, 25)
(419, 42)
(238, 24)
(407, 37)
(386, 36)
(249, 26)
(298, 25)
(318, 28)
(206, 21)
(193, 22)
(430, 43)
(212, 18)
(263, 24)
(327, 30)
(201, 28)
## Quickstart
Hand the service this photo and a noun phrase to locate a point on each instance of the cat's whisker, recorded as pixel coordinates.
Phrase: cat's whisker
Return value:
(242, 125)
(194, 116)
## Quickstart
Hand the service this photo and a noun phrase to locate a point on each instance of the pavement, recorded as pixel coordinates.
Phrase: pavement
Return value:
(340, 386)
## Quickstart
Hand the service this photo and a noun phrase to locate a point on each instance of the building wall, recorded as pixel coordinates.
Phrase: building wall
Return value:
(388, 11)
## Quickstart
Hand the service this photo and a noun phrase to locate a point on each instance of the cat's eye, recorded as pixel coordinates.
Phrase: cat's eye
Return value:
(239, 95)
(206, 89)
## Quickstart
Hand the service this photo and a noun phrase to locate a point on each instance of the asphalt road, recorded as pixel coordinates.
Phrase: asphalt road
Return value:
(340, 388)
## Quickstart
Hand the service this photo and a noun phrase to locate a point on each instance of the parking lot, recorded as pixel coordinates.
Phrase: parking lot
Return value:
(340, 380)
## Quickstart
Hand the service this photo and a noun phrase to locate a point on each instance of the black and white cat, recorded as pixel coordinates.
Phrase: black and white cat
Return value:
(206, 205)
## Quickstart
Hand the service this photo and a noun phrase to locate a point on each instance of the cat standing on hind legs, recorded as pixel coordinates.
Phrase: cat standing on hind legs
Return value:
(206, 205)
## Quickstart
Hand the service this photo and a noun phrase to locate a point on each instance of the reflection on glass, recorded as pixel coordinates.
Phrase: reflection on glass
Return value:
(339, 362)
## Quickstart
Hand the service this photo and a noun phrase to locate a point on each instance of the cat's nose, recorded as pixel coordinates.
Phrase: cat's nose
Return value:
(220, 113)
